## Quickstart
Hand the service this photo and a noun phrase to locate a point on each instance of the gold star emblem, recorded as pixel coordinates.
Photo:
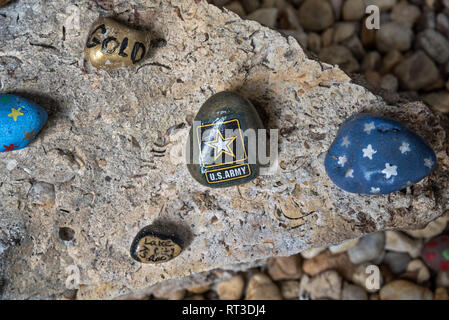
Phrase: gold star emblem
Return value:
(29, 135)
(15, 113)
(221, 145)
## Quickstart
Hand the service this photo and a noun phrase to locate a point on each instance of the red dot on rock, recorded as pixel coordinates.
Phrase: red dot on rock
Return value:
(432, 244)
(431, 255)
(444, 265)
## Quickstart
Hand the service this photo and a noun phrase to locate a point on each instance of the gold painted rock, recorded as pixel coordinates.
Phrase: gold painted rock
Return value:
(112, 45)
(222, 148)
(3, 2)
(155, 247)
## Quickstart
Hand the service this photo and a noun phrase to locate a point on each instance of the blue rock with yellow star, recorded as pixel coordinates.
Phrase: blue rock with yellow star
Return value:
(377, 155)
(20, 121)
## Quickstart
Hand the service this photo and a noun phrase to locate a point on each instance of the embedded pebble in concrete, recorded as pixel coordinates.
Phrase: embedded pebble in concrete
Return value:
(112, 45)
(377, 155)
(221, 154)
(3, 2)
(154, 247)
(20, 122)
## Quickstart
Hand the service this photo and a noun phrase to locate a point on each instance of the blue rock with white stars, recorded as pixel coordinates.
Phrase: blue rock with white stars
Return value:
(20, 121)
(376, 155)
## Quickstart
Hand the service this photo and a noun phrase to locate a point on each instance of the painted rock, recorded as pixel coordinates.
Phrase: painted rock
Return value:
(222, 146)
(111, 45)
(20, 122)
(436, 253)
(3, 2)
(150, 246)
(377, 155)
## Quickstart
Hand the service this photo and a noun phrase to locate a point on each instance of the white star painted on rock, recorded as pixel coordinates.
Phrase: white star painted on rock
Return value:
(369, 127)
(390, 171)
(428, 163)
(221, 145)
(346, 142)
(349, 173)
(342, 161)
(368, 152)
(375, 190)
(405, 147)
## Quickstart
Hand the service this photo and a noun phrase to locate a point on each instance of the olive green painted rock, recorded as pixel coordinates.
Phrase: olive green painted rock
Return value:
(222, 145)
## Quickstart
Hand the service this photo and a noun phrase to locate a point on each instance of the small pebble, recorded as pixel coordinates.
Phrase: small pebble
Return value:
(327, 37)
(236, 7)
(390, 60)
(265, 16)
(404, 290)
(172, 295)
(371, 61)
(353, 9)
(312, 252)
(443, 24)
(231, 289)
(341, 56)
(327, 261)
(442, 279)
(417, 71)
(353, 292)
(285, 268)
(250, 5)
(200, 290)
(314, 42)
(400, 242)
(326, 285)
(394, 36)
(42, 194)
(290, 289)
(419, 271)
(316, 15)
(397, 261)
(389, 83)
(434, 44)
(261, 287)
(343, 31)
(441, 294)
(384, 5)
(373, 78)
(405, 12)
(439, 101)
(355, 46)
(344, 246)
(368, 248)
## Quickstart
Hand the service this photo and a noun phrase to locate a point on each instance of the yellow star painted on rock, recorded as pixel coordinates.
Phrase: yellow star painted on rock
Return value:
(221, 145)
(15, 113)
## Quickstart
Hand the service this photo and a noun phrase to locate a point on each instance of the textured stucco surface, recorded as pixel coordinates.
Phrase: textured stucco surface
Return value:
(110, 138)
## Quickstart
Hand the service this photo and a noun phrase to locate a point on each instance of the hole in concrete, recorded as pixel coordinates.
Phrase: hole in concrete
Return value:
(66, 234)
